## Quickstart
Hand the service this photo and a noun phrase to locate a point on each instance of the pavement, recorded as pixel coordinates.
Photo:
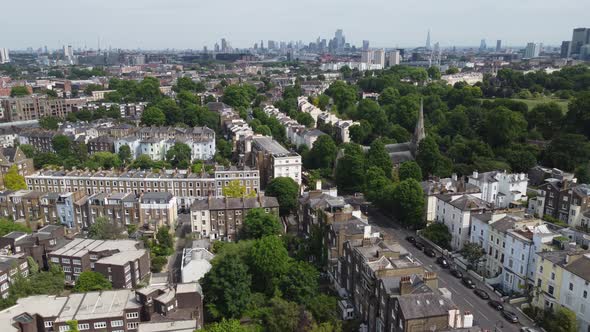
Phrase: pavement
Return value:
(485, 316)
(175, 260)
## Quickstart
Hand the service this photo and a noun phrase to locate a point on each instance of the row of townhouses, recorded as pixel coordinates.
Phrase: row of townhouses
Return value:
(78, 210)
(297, 134)
(379, 282)
(222, 218)
(342, 127)
(155, 142)
(183, 184)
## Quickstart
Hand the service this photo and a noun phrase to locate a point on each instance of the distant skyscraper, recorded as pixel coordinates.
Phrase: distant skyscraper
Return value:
(483, 46)
(428, 40)
(565, 49)
(580, 37)
(531, 51)
(224, 45)
(339, 39)
(379, 57)
(498, 45)
(585, 52)
(393, 58)
(216, 48)
(4, 55)
(261, 44)
(365, 45)
(367, 56)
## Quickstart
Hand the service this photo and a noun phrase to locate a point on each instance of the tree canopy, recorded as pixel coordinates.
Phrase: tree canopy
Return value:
(286, 190)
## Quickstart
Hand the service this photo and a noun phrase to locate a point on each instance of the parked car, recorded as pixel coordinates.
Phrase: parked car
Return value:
(510, 316)
(419, 245)
(496, 305)
(411, 239)
(430, 252)
(482, 294)
(455, 272)
(443, 262)
(468, 282)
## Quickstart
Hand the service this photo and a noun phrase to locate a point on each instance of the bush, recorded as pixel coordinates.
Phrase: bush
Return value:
(158, 263)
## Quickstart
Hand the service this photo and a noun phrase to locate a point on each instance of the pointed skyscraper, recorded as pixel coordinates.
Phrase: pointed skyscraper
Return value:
(419, 132)
(428, 40)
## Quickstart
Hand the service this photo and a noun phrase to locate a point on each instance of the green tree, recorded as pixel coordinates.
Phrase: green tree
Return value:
(389, 96)
(153, 116)
(283, 316)
(49, 122)
(350, 169)
(157, 263)
(259, 224)
(300, 282)
(90, 281)
(105, 229)
(7, 226)
(269, 260)
(227, 287)
(179, 155)
(323, 307)
(504, 126)
(433, 73)
(429, 157)
(286, 190)
(322, 154)
(239, 95)
(578, 116)
(106, 160)
(226, 325)
(124, 154)
(410, 170)
(72, 325)
(344, 95)
(13, 180)
(564, 320)
(19, 91)
(408, 203)
(28, 150)
(583, 173)
(236, 190)
(62, 145)
(165, 239)
(305, 119)
(567, 151)
(439, 234)
(473, 252)
(378, 157)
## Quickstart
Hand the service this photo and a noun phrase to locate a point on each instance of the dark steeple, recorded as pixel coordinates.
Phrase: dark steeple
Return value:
(419, 132)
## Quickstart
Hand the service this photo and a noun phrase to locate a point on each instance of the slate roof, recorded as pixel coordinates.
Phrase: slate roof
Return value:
(416, 306)
(580, 267)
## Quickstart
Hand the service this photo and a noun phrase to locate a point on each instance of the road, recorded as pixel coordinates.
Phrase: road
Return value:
(174, 261)
(485, 316)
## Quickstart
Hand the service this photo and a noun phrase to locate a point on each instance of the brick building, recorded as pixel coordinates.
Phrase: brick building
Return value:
(124, 262)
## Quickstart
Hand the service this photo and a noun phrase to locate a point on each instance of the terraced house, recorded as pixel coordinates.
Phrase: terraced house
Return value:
(183, 184)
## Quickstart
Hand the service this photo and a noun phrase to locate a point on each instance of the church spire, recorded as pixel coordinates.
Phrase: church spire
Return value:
(419, 132)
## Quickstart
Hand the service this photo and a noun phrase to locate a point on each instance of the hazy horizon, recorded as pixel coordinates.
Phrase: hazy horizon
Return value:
(186, 24)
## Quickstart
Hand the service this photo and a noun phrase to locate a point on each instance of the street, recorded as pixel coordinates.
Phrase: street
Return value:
(485, 316)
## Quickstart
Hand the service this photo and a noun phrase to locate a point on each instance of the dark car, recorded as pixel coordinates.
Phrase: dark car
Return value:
(510, 316)
(429, 252)
(442, 262)
(456, 273)
(419, 245)
(496, 305)
(411, 239)
(468, 282)
(482, 294)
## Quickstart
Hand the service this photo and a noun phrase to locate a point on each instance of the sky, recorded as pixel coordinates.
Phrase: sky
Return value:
(184, 24)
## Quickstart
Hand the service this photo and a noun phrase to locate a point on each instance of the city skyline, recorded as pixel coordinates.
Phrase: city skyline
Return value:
(181, 24)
